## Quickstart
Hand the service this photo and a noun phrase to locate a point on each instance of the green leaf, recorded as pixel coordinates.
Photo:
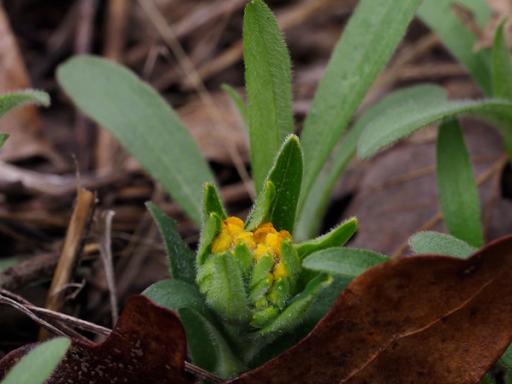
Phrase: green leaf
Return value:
(370, 38)
(334, 238)
(212, 203)
(317, 201)
(221, 281)
(440, 17)
(501, 65)
(238, 101)
(207, 346)
(260, 211)
(209, 230)
(457, 188)
(430, 242)
(345, 262)
(268, 82)
(38, 364)
(297, 310)
(143, 122)
(176, 294)
(399, 122)
(181, 257)
(14, 99)
(285, 177)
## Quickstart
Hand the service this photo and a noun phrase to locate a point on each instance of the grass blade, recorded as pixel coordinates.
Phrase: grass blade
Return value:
(440, 16)
(430, 242)
(370, 38)
(268, 82)
(399, 122)
(143, 122)
(458, 193)
(39, 364)
(14, 99)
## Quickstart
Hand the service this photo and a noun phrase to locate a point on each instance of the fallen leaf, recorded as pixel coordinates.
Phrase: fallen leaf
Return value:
(147, 346)
(425, 319)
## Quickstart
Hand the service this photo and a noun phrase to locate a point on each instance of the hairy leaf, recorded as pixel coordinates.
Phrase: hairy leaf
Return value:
(143, 122)
(181, 257)
(368, 41)
(317, 201)
(430, 242)
(458, 193)
(238, 101)
(175, 294)
(268, 82)
(399, 122)
(501, 65)
(208, 347)
(345, 262)
(334, 238)
(285, 178)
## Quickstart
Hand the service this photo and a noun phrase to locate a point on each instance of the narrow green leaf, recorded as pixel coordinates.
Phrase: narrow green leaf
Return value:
(176, 294)
(441, 18)
(260, 211)
(268, 82)
(399, 122)
(207, 346)
(209, 230)
(38, 364)
(143, 122)
(430, 242)
(458, 192)
(14, 99)
(370, 38)
(212, 203)
(345, 262)
(334, 238)
(237, 101)
(317, 201)
(285, 176)
(501, 65)
(181, 257)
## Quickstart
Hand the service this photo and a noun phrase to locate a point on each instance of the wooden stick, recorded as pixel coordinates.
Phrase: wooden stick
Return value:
(71, 248)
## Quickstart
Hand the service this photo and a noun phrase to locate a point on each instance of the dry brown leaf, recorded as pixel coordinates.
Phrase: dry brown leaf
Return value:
(147, 346)
(423, 320)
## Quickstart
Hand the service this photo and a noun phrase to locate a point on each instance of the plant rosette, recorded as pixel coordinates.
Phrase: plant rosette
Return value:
(247, 285)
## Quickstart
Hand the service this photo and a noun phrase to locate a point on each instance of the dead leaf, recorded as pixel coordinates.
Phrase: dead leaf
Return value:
(425, 319)
(22, 124)
(147, 346)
